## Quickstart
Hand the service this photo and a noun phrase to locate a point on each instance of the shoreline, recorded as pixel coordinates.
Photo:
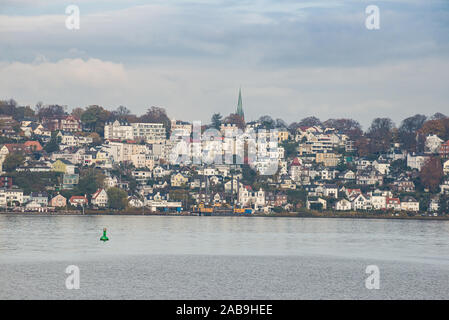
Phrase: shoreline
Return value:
(347, 215)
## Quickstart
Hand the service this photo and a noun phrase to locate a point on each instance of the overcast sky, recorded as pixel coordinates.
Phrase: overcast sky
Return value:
(292, 58)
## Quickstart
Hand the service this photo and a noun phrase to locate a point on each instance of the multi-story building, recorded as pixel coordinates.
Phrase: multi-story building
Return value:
(150, 132)
(70, 124)
(181, 128)
(123, 152)
(118, 130)
(416, 161)
(11, 196)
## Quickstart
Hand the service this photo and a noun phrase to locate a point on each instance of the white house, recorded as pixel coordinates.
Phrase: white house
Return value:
(135, 202)
(248, 198)
(378, 201)
(100, 198)
(409, 204)
(416, 161)
(433, 143)
(331, 190)
(382, 166)
(361, 202)
(343, 205)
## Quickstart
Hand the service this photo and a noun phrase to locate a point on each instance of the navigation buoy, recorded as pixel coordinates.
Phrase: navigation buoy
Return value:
(104, 238)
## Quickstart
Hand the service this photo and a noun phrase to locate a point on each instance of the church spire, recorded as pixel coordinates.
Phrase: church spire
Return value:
(240, 105)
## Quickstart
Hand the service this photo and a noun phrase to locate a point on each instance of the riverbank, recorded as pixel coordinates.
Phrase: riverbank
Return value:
(302, 214)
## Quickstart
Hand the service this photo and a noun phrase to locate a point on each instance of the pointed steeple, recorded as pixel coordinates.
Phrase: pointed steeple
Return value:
(240, 105)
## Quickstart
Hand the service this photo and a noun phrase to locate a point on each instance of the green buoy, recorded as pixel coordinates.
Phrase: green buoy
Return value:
(104, 238)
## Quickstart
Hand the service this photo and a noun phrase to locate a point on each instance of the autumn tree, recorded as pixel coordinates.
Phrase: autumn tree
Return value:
(438, 116)
(362, 145)
(235, 119)
(350, 127)
(439, 127)
(431, 174)
(96, 139)
(310, 122)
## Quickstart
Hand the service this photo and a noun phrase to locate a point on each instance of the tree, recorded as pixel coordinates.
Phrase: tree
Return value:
(39, 106)
(235, 119)
(310, 122)
(157, 115)
(117, 198)
(290, 148)
(216, 120)
(408, 130)
(90, 181)
(94, 118)
(22, 113)
(121, 113)
(8, 107)
(431, 174)
(439, 127)
(53, 144)
(13, 161)
(296, 196)
(380, 135)
(183, 196)
(350, 127)
(77, 113)
(438, 116)
(95, 138)
(35, 181)
(267, 122)
(293, 127)
(248, 175)
(362, 145)
(50, 111)
(281, 124)
(444, 204)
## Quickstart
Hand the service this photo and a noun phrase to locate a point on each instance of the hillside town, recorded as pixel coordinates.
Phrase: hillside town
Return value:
(94, 159)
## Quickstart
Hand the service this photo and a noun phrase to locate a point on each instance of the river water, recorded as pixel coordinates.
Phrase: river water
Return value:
(156, 257)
